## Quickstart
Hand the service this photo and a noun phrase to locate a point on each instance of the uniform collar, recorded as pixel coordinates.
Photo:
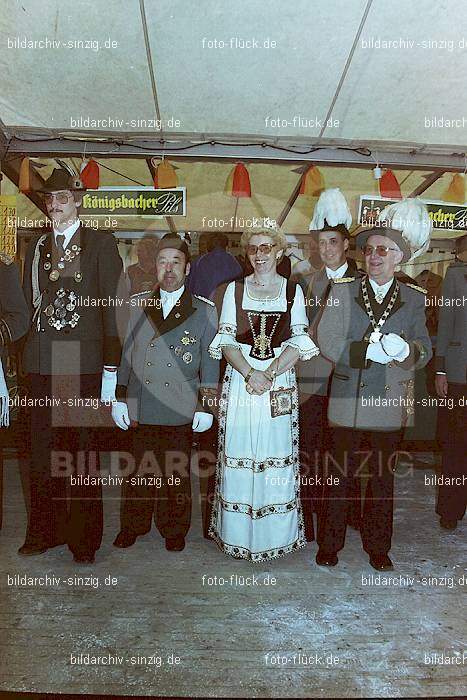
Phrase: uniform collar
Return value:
(340, 272)
(381, 288)
(68, 232)
(173, 296)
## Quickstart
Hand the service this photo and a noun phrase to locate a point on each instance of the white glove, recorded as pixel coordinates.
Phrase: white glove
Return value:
(376, 353)
(108, 386)
(395, 346)
(202, 422)
(120, 415)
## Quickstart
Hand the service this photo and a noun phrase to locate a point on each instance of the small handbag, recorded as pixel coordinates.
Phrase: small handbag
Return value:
(280, 401)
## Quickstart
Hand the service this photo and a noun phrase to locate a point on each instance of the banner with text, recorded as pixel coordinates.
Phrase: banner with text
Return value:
(444, 215)
(136, 202)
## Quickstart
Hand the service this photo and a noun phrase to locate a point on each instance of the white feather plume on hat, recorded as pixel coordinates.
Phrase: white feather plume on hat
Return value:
(331, 208)
(410, 217)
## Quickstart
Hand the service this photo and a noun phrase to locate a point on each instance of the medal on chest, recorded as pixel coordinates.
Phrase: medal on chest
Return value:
(69, 255)
(61, 312)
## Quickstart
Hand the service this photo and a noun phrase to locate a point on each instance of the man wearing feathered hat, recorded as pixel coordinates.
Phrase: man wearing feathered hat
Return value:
(374, 331)
(74, 286)
(329, 228)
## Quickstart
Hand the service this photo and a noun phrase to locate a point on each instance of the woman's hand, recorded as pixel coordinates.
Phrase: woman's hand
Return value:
(258, 383)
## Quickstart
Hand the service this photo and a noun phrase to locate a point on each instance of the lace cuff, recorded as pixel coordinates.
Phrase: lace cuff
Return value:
(224, 338)
(300, 340)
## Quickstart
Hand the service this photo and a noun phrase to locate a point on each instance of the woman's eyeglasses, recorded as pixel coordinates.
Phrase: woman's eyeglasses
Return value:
(264, 248)
(382, 250)
(61, 197)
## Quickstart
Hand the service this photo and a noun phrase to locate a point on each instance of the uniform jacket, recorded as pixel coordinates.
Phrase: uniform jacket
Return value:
(313, 375)
(451, 344)
(96, 278)
(14, 312)
(165, 362)
(364, 394)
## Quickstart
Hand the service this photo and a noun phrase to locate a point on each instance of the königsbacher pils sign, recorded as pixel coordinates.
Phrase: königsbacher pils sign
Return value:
(140, 202)
(444, 215)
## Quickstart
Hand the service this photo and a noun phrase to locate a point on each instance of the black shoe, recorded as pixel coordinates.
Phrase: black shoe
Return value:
(125, 539)
(326, 558)
(30, 550)
(175, 544)
(381, 562)
(84, 558)
(447, 524)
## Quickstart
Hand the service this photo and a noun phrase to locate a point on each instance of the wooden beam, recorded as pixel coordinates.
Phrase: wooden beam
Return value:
(428, 181)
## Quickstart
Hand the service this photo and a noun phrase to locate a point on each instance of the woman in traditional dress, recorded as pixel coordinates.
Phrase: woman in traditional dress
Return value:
(262, 333)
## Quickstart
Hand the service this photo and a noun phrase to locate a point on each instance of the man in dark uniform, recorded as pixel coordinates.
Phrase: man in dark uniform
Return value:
(74, 286)
(374, 330)
(168, 381)
(451, 386)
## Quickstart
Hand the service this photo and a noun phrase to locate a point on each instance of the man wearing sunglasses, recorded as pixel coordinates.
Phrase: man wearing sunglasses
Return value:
(74, 287)
(374, 331)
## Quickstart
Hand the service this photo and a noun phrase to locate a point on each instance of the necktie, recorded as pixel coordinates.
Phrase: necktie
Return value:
(60, 239)
(379, 296)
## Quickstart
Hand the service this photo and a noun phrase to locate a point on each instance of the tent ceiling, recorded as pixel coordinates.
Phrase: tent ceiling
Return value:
(164, 66)
(320, 66)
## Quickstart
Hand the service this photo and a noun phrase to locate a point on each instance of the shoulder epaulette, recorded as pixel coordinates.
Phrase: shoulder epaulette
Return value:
(5, 258)
(418, 289)
(139, 294)
(208, 301)
(339, 280)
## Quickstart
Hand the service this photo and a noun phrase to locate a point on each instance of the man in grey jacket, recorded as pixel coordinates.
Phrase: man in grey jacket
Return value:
(168, 381)
(451, 387)
(314, 376)
(374, 331)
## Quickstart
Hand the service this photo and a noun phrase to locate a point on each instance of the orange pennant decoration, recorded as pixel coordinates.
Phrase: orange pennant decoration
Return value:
(90, 175)
(312, 183)
(165, 175)
(24, 184)
(388, 186)
(456, 190)
(238, 182)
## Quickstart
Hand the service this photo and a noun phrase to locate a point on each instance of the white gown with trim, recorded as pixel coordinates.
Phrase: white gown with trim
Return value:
(256, 511)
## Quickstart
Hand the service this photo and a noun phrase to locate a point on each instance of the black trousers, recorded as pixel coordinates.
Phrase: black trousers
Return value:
(453, 438)
(354, 452)
(315, 442)
(160, 481)
(64, 447)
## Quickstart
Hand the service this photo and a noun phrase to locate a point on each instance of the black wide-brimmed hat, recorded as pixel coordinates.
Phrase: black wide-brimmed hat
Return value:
(171, 240)
(339, 228)
(60, 179)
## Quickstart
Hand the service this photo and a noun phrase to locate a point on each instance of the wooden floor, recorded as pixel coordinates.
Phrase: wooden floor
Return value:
(222, 634)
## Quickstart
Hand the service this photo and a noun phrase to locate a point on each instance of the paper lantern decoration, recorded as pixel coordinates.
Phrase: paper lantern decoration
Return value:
(456, 190)
(89, 174)
(312, 183)
(24, 184)
(165, 175)
(238, 182)
(389, 187)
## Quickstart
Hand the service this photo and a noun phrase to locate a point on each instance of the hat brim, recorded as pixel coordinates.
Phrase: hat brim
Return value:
(362, 234)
